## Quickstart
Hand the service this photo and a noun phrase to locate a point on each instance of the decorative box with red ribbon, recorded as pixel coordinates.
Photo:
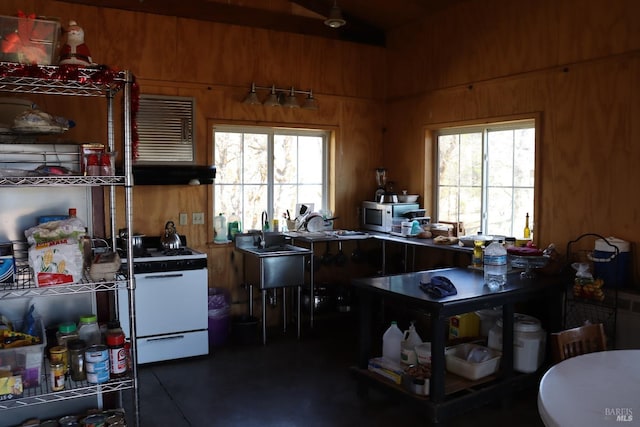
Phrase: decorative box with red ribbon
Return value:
(29, 40)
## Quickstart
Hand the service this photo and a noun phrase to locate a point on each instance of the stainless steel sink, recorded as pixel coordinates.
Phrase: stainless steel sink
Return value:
(271, 263)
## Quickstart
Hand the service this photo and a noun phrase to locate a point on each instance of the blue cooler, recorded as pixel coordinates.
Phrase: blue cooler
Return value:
(612, 268)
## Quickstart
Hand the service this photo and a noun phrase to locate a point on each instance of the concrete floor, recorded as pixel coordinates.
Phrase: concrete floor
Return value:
(291, 383)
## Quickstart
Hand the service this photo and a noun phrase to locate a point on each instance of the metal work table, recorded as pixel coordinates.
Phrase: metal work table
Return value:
(414, 243)
(317, 237)
(311, 238)
(472, 295)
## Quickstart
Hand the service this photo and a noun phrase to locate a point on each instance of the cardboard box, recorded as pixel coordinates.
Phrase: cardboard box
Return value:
(29, 40)
(10, 386)
(464, 325)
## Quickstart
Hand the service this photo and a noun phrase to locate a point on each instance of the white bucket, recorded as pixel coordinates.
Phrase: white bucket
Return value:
(529, 341)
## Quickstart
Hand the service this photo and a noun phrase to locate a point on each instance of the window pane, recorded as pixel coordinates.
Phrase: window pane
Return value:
(449, 157)
(285, 159)
(245, 184)
(471, 159)
(504, 155)
(310, 160)
(471, 209)
(255, 170)
(500, 158)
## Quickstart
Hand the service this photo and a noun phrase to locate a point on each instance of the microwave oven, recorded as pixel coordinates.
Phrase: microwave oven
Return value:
(380, 216)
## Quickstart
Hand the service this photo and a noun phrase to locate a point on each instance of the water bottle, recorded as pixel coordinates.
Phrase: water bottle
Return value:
(220, 228)
(410, 339)
(495, 266)
(391, 341)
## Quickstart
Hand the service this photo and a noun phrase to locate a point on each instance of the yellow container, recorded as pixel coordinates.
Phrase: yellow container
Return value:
(464, 325)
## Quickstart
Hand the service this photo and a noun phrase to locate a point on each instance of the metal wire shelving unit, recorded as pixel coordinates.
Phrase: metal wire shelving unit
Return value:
(86, 82)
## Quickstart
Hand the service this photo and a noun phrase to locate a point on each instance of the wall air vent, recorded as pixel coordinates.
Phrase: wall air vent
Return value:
(166, 130)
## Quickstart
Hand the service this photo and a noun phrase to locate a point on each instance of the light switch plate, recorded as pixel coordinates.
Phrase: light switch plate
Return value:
(198, 218)
(184, 219)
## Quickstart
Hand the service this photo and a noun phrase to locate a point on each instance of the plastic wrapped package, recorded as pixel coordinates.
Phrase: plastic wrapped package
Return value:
(55, 252)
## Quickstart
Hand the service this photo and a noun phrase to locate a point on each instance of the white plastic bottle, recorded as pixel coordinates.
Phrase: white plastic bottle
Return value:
(391, 340)
(495, 266)
(410, 340)
(220, 227)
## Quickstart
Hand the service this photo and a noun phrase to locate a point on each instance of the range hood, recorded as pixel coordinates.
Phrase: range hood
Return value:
(173, 175)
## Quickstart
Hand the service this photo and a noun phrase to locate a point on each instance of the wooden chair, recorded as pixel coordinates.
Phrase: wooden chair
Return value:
(577, 341)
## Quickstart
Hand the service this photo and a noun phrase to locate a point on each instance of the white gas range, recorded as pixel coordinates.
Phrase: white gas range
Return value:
(170, 304)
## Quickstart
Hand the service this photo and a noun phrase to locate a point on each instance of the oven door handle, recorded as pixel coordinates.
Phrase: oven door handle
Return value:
(175, 337)
(164, 276)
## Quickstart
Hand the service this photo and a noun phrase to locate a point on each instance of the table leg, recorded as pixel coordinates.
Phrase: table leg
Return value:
(437, 357)
(507, 340)
(298, 309)
(284, 310)
(264, 316)
(364, 332)
(311, 277)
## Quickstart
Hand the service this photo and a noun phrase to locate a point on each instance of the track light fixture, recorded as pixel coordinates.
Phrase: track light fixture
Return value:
(335, 19)
(279, 97)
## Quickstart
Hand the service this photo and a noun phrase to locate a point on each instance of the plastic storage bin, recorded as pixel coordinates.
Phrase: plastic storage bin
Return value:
(25, 363)
(529, 341)
(29, 41)
(472, 361)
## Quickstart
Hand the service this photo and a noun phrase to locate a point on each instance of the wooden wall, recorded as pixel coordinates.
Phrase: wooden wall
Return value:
(216, 64)
(574, 64)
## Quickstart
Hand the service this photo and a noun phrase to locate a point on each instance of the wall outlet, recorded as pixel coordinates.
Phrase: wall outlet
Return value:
(198, 218)
(184, 219)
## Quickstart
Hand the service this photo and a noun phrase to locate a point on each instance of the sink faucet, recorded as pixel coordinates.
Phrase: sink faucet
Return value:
(264, 228)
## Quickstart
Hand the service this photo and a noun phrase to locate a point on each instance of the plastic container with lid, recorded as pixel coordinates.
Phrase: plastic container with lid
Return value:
(529, 341)
(410, 340)
(391, 343)
(117, 354)
(67, 331)
(88, 330)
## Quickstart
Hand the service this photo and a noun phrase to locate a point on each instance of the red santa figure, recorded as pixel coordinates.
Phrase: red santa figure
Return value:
(75, 51)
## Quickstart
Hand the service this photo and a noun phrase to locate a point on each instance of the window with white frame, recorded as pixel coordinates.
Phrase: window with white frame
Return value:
(486, 176)
(268, 169)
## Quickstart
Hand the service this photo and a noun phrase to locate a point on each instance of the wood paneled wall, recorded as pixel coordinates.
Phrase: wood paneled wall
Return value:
(574, 64)
(215, 64)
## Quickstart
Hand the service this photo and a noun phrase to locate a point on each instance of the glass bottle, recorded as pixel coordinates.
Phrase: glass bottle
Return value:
(476, 260)
(527, 230)
(66, 332)
(88, 330)
(76, 360)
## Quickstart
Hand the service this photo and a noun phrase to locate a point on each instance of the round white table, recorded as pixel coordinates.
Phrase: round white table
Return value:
(595, 389)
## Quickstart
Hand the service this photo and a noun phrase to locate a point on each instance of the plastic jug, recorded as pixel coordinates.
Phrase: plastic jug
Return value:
(410, 340)
(220, 227)
(391, 340)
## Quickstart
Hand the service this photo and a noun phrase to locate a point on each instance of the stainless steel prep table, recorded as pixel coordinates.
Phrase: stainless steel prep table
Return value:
(333, 236)
(322, 236)
(414, 243)
(472, 295)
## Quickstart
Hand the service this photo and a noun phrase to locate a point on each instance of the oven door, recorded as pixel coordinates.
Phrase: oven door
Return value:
(169, 302)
